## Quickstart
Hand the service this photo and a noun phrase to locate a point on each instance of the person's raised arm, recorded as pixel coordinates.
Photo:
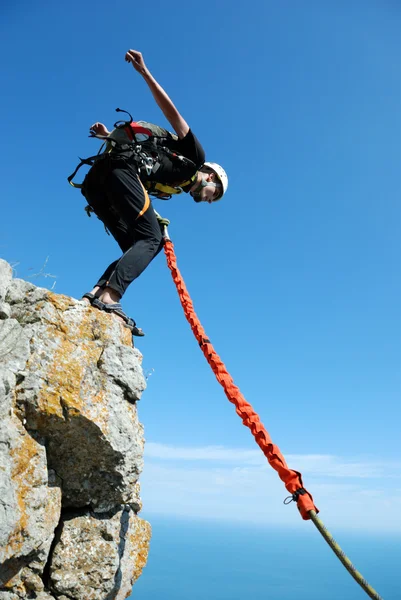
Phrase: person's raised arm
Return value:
(172, 115)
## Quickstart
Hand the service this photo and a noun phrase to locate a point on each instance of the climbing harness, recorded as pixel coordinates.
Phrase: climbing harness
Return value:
(292, 479)
(143, 144)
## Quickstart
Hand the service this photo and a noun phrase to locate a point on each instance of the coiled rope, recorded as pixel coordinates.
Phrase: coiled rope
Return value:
(292, 479)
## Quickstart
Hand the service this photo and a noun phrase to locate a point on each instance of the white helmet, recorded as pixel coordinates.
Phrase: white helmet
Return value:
(221, 174)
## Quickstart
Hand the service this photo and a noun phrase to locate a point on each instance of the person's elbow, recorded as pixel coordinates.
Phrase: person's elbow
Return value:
(180, 126)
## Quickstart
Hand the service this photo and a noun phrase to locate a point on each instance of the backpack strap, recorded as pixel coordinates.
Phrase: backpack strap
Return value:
(164, 192)
(84, 161)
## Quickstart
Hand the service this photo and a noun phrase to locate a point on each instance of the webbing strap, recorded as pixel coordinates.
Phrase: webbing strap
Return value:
(292, 479)
(84, 161)
(147, 201)
(161, 190)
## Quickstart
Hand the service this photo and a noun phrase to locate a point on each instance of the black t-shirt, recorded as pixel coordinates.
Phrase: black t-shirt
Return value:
(172, 170)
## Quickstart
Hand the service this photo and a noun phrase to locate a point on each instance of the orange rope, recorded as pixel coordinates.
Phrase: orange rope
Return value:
(292, 479)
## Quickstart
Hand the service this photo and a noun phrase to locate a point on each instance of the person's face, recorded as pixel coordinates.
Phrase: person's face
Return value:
(209, 193)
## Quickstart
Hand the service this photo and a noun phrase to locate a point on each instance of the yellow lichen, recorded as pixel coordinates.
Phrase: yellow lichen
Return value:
(76, 348)
(143, 533)
(24, 474)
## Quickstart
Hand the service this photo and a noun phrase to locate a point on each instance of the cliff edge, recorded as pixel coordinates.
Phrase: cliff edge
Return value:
(71, 449)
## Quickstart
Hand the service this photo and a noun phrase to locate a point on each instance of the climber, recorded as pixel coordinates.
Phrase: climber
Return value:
(115, 191)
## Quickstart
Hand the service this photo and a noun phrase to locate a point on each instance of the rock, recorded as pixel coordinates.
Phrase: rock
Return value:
(118, 363)
(71, 448)
(19, 289)
(14, 345)
(9, 596)
(99, 556)
(5, 310)
(6, 275)
(79, 378)
(29, 507)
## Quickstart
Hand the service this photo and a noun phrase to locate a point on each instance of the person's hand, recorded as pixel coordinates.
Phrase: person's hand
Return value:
(136, 59)
(98, 129)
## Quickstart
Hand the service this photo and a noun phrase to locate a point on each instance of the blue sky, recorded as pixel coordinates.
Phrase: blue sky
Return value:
(295, 275)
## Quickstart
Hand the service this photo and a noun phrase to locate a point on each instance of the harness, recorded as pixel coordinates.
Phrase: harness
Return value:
(144, 149)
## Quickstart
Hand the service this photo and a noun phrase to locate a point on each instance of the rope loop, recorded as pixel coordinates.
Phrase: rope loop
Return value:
(294, 497)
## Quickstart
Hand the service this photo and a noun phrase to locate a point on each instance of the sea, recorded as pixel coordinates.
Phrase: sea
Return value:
(213, 560)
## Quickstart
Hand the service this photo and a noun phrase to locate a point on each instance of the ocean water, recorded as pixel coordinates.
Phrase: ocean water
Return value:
(206, 560)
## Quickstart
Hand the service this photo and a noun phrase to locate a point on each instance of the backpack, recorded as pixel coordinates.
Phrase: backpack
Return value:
(143, 143)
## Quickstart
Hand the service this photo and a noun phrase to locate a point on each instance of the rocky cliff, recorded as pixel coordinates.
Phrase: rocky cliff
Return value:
(71, 449)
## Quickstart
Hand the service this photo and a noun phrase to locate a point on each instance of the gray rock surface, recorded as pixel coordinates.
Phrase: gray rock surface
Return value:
(97, 555)
(6, 275)
(71, 449)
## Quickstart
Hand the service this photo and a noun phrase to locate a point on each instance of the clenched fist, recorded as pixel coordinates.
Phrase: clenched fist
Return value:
(136, 59)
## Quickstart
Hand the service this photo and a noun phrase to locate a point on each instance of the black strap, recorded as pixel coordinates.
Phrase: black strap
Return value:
(294, 497)
(84, 161)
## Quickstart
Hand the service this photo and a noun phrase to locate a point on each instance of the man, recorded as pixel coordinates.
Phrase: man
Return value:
(115, 192)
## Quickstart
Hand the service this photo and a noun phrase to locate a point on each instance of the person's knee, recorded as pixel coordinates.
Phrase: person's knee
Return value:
(154, 244)
(149, 234)
(157, 237)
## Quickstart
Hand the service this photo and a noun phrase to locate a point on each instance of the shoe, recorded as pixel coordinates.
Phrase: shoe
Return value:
(117, 309)
(94, 300)
(130, 323)
(89, 296)
(98, 303)
(134, 329)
